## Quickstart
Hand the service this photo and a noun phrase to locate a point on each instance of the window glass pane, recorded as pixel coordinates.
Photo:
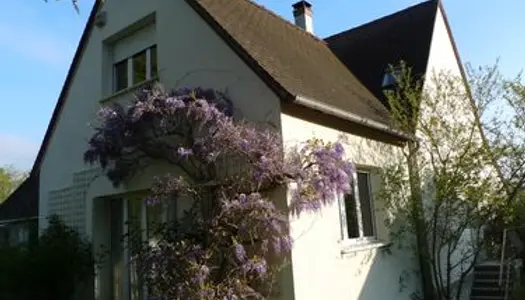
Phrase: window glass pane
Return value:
(135, 206)
(139, 67)
(363, 181)
(153, 54)
(121, 75)
(351, 216)
(171, 210)
(116, 253)
(134, 213)
(154, 217)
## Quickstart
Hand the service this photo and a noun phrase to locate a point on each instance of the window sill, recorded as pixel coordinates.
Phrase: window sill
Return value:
(128, 90)
(348, 247)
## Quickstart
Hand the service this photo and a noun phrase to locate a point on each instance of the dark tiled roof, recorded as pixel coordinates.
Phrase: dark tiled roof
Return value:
(369, 49)
(288, 59)
(294, 61)
(23, 202)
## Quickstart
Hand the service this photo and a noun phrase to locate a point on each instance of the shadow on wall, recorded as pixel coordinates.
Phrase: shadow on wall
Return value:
(389, 272)
(390, 275)
(385, 269)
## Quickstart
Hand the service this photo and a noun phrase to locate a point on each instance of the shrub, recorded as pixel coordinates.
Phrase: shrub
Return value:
(52, 267)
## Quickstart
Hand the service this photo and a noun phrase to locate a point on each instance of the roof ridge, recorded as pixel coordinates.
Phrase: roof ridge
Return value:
(275, 15)
(381, 19)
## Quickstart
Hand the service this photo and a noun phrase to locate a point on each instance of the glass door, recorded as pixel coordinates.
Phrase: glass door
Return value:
(132, 223)
(116, 255)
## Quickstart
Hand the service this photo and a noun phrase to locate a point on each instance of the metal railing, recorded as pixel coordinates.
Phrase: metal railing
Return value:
(507, 280)
(506, 260)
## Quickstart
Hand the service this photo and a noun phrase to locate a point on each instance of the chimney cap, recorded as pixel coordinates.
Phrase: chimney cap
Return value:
(302, 4)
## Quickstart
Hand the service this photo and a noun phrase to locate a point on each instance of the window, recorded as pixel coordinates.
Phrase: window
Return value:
(132, 218)
(153, 59)
(121, 75)
(357, 211)
(138, 68)
(23, 234)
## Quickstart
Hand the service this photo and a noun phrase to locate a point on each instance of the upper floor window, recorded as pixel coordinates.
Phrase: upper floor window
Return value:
(135, 69)
(358, 213)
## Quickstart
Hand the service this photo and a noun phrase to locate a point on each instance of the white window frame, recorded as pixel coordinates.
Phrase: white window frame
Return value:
(129, 60)
(362, 239)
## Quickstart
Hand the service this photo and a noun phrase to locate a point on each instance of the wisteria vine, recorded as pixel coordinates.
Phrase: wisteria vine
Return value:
(233, 239)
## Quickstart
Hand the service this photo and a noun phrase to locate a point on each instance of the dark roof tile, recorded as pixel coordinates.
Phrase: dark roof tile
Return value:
(298, 62)
(23, 202)
(369, 49)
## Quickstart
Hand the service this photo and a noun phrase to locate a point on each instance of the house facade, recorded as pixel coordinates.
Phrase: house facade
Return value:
(275, 73)
(19, 214)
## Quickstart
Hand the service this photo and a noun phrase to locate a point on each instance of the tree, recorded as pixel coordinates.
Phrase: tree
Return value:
(501, 106)
(74, 2)
(446, 188)
(234, 238)
(56, 266)
(500, 103)
(10, 179)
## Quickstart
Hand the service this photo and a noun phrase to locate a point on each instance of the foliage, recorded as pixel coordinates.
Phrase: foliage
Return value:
(501, 111)
(10, 179)
(451, 174)
(501, 107)
(74, 2)
(53, 267)
(519, 292)
(234, 238)
(501, 103)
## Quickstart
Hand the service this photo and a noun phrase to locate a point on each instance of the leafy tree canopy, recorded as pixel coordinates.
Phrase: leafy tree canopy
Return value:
(10, 179)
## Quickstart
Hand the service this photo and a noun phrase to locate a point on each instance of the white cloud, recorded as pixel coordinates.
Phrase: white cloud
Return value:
(17, 151)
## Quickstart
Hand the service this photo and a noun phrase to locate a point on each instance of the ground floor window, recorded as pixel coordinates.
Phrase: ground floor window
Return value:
(132, 215)
(357, 209)
(16, 233)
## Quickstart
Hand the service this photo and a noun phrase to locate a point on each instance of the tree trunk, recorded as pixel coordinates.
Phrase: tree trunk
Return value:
(417, 214)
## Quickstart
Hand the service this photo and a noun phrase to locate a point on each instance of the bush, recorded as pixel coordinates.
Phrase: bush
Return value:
(52, 267)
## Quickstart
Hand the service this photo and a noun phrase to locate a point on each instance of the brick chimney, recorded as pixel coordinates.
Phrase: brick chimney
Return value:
(302, 11)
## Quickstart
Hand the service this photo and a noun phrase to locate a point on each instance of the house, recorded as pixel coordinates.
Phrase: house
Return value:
(274, 72)
(19, 214)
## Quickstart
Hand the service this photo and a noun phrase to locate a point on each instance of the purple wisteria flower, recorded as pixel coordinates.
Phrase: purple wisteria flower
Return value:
(260, 268)
(221, 245)
(240, 252)
(152, 200)
(184, 153)
(202, 274)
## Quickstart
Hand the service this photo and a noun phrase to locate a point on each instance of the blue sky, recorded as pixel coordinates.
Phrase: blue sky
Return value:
(38, 40)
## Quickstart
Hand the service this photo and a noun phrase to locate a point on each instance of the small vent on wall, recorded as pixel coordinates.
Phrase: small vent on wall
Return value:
(101, 19)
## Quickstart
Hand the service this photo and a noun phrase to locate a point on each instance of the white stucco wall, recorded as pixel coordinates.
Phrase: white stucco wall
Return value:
(442, 56)
(320, 269)
(190, 54)
(443, 63)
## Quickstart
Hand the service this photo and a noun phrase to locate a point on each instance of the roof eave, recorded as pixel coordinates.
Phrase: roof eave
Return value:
(286, 96)
(353, 118)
